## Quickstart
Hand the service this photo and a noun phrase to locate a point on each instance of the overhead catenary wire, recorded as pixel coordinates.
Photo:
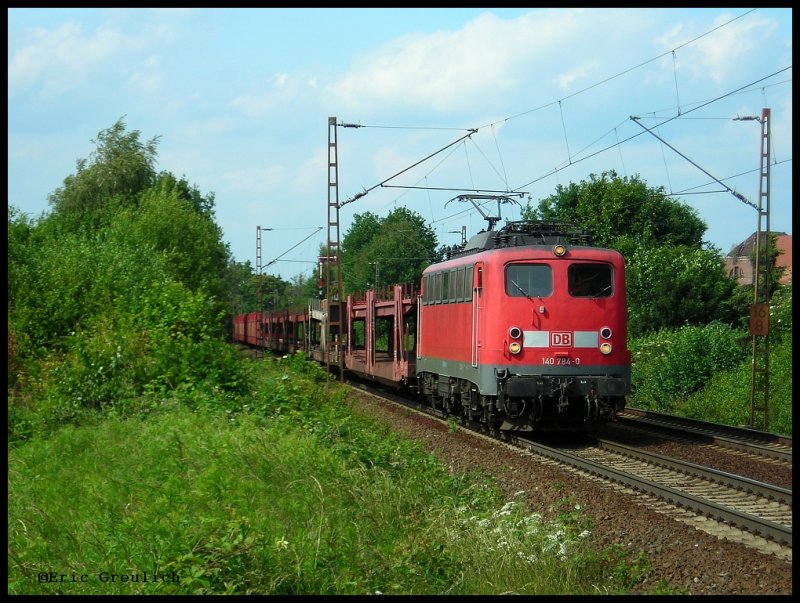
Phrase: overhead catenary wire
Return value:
(736, 194)
(318, 228)
(364, 192)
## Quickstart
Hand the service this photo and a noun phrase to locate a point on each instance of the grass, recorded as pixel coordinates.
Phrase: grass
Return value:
(293, 495)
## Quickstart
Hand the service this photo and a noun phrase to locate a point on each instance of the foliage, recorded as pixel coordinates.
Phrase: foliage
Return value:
(72, 278)
(99, 316)
(251, 292)
(181, 331)
(669, 286)
(725, 398)
(243, 288)
(770, 255)
(18, 235)
(780, 313)
(611, 207)
(203, 205)
(117, 361)
(671, 364)
(385, 251)
(189, 242)
(119, 169)
(713, 381)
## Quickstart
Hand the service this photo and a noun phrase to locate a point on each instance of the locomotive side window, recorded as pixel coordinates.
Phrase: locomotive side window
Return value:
(452, 292)
(448, 286)
(589, 280)
(460, 284)
(529, 280)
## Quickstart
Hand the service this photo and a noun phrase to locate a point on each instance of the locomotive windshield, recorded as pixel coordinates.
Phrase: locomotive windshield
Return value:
(529, 280)
(589, 280)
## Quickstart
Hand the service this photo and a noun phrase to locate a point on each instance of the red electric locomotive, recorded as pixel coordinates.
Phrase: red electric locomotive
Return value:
(525, 328)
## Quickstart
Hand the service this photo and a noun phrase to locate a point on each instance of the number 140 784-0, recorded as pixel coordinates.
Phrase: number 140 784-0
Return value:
(561, 361)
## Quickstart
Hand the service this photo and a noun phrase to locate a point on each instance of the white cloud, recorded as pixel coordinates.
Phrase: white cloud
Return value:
(719, 55)
(283, 90)
(489, 58)
(310, 176)
(148, 78)
(254, 180)
(578, 74)
(439, 70)
(57, 60)
(53, 62)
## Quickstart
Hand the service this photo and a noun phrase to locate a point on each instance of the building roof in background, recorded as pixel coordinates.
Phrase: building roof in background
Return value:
(746, 246)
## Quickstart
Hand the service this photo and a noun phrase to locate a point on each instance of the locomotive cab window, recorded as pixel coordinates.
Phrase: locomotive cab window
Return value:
(589, 280)
(529, 280)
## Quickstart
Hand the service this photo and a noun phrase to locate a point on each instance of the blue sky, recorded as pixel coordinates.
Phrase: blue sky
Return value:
(240, 99)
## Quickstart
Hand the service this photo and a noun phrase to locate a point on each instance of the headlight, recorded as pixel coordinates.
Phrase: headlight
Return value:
(559, 250)
(515, 347)
(605, 348)
(515, 332)
(605, 333)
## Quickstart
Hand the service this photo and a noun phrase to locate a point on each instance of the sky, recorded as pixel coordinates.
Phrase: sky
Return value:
(447, 102)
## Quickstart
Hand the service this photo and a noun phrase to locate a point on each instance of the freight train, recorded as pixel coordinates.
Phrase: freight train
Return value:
(523, 328)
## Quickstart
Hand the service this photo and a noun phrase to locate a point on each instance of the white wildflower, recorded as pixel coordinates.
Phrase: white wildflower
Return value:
(507, 509)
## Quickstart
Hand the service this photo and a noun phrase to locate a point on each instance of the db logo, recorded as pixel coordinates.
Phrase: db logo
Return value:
(560, 340)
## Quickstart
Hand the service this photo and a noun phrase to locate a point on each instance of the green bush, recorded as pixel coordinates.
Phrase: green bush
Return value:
(780, 313)
(726, 397)
(671, 364)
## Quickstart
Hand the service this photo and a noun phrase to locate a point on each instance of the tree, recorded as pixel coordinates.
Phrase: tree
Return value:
(17, 249)
(775, 271)
(119, 291)
(116, 174)
(611, 207)
(190, 241)
(677, 285)
(379, 252)
(203, 205)
(241, 287)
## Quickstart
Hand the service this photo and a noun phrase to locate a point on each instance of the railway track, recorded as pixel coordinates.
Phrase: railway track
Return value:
(745, 507)
(742, 439)
(727, 505)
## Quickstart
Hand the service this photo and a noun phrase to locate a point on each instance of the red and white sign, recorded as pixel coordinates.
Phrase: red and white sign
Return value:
(560, 339)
